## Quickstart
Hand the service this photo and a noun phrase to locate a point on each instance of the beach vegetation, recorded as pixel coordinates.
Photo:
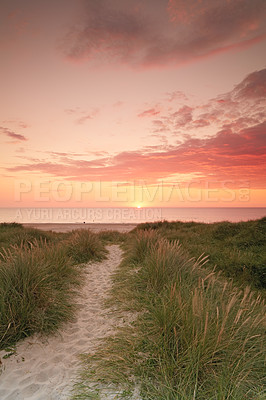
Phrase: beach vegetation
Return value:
(15, 234)
(39, 274)
(82, 245)
(112, 237)
(238, 250)
(191, 333)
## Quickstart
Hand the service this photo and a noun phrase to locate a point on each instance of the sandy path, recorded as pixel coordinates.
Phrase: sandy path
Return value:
(45, 370)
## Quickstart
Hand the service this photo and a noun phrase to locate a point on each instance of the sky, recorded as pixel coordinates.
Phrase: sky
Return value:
(150, 103)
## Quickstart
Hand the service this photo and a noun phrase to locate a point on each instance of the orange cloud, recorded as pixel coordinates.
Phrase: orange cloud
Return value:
(235, 152)
(226, 156)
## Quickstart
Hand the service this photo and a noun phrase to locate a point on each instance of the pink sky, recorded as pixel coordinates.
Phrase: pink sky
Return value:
(126, 103)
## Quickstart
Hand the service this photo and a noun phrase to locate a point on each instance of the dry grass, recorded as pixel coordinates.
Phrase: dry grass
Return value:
(39, 274)
(195, 335)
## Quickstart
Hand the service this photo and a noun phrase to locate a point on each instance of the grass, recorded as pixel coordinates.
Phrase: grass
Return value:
(194, 335)
(39, 275)
(238, 250)
(112, 237)
(15, 234)
(36, 291)
(83, 245)
(189, 332)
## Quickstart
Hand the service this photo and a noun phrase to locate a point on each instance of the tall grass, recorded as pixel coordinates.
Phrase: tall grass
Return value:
(238, 250)
(112, 237)
(15, 234)
(39, 274)
(83, 245)
(36, 291)
(205, 339)
(195, 335)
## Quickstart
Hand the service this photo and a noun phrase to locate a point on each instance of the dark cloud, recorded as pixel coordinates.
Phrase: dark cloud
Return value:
(12, 134)
(155, 32)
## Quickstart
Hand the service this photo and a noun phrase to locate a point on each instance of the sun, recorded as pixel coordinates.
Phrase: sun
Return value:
(138, 206)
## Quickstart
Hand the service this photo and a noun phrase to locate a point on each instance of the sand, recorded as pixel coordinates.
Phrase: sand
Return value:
(45, 369)
(66, 227)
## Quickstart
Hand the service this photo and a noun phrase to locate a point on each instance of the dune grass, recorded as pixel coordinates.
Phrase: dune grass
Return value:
(238, 250)
(189, 333)
(83, 245)
(14, 234)
(112, 237)
(36, 288)
(194, 335)
(39, 275)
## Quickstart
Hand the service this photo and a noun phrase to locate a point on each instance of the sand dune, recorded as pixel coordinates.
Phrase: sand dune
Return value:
(46, 369)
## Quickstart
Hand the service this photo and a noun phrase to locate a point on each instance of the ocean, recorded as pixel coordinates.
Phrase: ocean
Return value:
(129, 215)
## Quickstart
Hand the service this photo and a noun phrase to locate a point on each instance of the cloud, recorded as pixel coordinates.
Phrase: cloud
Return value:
(225, 156)
(252, 87)
(151, 112)
(160, 126)
(127, 31)
(83, 116)
(71, 111)
(96, 153)
(18, 123)
(240, 108)
(182, 117)
(176, 95)
(234, 150)
(12, 134)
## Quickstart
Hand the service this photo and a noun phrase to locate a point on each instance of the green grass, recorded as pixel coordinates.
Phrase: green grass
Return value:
(112, 237)
(36, 291)
(15, 234)
(194, 335)
(83, 245)
(238, 250)
(39, 274)
(189, 332)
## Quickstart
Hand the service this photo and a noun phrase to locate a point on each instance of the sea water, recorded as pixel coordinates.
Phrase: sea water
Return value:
(129, 215)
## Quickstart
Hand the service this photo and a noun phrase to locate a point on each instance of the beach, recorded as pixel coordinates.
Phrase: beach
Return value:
(67, 227)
